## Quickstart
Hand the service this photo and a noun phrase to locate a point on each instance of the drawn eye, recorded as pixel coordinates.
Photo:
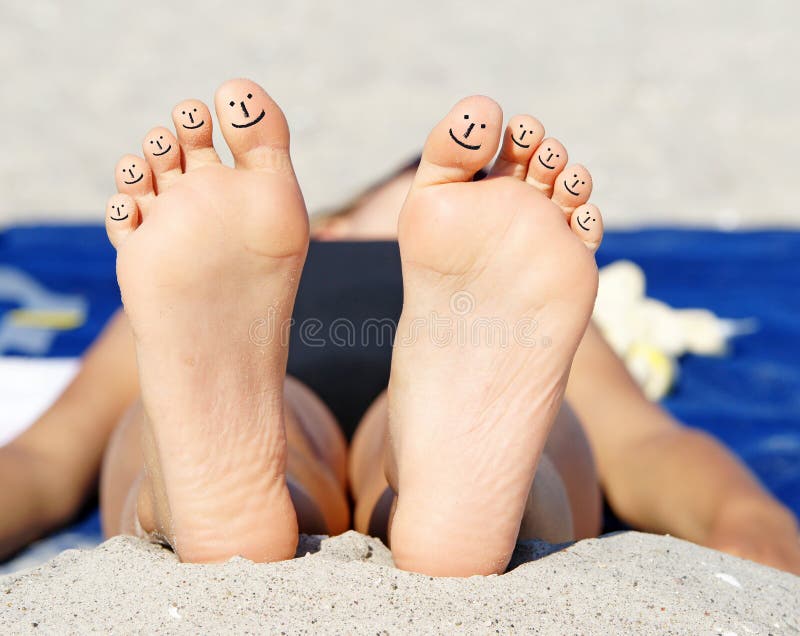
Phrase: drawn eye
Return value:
(232, 103)
(249, 95)
(183, 112)
(195, 110)
(520, 125)
(151, 142)
(466, 116)
(483, 125)
(583, 183)
(161, 136)
(556, 155)
(548, 150)
(122, 206)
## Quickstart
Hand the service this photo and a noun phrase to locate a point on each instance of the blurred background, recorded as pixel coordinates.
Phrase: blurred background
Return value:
(686, 112)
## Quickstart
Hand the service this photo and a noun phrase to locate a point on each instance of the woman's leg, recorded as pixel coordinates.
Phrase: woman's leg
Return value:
(315, 471)
(564, 501)
(50, 469)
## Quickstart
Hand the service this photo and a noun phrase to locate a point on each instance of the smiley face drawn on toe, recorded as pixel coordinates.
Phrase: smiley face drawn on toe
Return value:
(467, 133)
(119, 211)
(133, 176)
(550, 154)
(586, 222)
(522, 136)
(159, 150)
(246, 113)
(191, 114)
(575, 184)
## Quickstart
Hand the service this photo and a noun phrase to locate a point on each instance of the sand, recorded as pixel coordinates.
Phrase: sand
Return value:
(622, 583)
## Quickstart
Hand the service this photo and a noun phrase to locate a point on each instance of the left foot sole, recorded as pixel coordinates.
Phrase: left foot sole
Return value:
(499, 284)
(206, 255)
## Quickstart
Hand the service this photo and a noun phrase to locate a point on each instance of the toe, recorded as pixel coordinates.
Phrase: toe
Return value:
(163, 154)
(523, 135)
(253, 126)
(135, 178)
(572, 188)
(587, 223)
(462, 143)
(122, 217)
(193, 124)
(546, 163)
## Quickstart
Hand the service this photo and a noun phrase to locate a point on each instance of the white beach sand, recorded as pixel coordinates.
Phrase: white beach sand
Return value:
(619, 584)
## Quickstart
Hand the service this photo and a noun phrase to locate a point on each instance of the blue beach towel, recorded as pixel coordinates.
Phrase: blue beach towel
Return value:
(58, 288)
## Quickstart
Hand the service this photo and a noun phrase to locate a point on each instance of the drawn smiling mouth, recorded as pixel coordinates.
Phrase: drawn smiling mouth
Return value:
(119, 218)
(158, 154)
(519, 144)
(544, 164)
(195, 126)
(137, 180)
(252, 123)
(582, 225)
(572, 192)
(461, 143)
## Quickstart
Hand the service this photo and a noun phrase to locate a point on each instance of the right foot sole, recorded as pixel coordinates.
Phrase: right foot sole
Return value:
(207, 254)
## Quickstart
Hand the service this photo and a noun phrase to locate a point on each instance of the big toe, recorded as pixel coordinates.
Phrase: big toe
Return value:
(253, 125)
(462, 143)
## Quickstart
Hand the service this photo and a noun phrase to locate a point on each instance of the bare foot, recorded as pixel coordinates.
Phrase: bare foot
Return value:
(498, 290)
(205, 252)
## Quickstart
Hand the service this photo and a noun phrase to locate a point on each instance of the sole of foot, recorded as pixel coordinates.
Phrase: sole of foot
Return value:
(206, 254)
(499, 284)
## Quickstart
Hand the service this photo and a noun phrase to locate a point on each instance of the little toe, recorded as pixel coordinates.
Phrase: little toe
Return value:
(253, 126)
(572, 188)
(523, 135)
(193, 124)
(587, 223)
(163, 154)
(122, 217)
(547, 162)
(134, 177)
(462, 143)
